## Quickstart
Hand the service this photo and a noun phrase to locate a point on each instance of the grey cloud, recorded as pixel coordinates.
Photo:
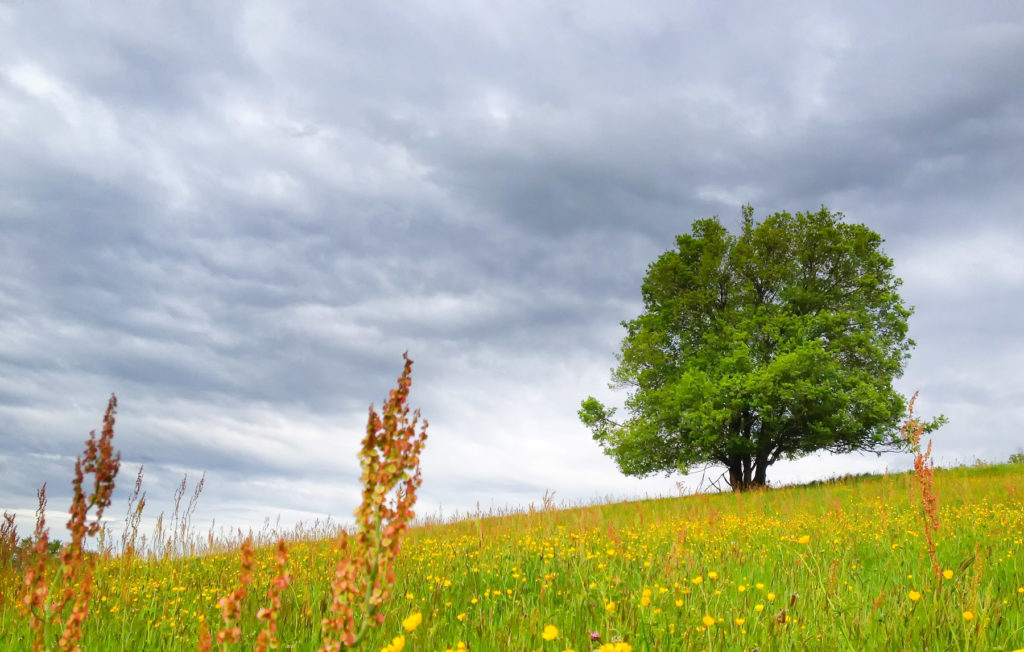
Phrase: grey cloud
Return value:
(225, 214)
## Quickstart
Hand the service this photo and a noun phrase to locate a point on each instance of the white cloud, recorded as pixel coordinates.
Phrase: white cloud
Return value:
(988, 262)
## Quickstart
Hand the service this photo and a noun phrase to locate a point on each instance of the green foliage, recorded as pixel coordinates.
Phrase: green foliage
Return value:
(1017, 458)
(771, 344)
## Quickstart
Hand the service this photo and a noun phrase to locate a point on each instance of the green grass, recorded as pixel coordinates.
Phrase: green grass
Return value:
(494, 583)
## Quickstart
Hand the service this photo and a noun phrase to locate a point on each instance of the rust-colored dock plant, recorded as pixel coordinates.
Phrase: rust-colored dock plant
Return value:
(75, 578)
(390, 461)
(267, 638)
(924, 471)
(36, 586)
(231, 604)
(8, 550)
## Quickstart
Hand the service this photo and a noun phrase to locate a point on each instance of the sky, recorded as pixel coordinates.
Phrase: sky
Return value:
(238, 216)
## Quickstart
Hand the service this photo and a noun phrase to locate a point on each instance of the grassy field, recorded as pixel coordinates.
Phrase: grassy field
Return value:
(930, 560)
(839, 566)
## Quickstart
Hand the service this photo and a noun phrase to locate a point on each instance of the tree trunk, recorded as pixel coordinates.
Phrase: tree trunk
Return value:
(761, 472)
(746, 472)
(736, 473)
(760, 476)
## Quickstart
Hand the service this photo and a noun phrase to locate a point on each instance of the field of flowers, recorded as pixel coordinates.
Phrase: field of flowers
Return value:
(840, 566)
(930, 560)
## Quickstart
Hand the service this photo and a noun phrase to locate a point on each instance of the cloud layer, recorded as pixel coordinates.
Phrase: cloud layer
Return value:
(237, 218)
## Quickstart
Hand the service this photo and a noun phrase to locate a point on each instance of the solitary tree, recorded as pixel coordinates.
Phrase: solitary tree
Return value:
(751, 348)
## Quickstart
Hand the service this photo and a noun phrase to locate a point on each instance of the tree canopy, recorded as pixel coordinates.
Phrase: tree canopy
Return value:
(771, 344)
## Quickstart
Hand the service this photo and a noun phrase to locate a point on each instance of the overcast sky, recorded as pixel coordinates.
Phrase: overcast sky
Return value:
(237, 216)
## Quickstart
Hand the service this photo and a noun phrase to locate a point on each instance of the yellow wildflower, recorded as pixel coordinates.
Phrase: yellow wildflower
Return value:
(397, 645)
(413, 621)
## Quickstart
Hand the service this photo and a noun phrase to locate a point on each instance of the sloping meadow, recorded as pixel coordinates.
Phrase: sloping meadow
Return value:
(836, 566)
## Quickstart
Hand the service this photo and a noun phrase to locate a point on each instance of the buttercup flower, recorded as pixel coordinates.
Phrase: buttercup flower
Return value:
(413, 621)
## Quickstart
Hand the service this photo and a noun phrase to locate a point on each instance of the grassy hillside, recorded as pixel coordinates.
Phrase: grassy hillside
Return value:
(840, 566)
